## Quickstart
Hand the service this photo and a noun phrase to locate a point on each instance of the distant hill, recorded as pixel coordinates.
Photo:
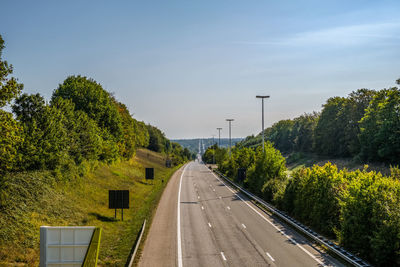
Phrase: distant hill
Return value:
(193, 144)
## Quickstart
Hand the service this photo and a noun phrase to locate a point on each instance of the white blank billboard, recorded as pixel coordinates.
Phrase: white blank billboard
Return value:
(64, 245)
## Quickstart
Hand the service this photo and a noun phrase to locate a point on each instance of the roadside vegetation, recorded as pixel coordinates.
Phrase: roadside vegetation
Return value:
(358, 208)
(38, 198)
(59, 158)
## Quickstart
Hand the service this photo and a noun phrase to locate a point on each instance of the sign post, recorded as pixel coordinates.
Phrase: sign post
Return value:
(149, 173)
(118, 199)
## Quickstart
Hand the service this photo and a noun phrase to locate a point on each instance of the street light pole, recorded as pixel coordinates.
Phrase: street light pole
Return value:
(213, 149)
(219, 136)
(262, 100)
(230, 142)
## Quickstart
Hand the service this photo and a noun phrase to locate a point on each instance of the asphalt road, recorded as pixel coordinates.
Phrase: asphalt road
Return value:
(213, 225)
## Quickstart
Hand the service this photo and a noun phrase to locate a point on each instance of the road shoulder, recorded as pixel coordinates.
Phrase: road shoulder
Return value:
(160, 247)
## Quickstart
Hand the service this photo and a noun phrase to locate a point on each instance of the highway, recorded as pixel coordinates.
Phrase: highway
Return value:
(203, 222)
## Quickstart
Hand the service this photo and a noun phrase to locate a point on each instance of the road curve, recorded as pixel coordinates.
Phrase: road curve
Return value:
(220, 227)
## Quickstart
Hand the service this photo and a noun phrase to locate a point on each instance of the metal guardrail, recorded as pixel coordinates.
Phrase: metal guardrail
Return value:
(339, 251)
(137, 243)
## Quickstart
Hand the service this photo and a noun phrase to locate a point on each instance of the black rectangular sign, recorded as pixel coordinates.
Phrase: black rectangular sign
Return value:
(241, 174)
(118, 199)
(149, 173)
(168, 163)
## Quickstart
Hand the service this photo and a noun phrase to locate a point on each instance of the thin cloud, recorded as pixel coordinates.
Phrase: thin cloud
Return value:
(340, 36)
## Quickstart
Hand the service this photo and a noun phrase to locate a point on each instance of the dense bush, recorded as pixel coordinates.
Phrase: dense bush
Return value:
(266, 170)
(214, 154)
(312, 195)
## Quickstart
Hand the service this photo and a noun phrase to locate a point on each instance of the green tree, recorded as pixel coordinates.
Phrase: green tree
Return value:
(10, 139)
(354, 110)
(329, 135)
(380, 127)
(157, 140)
(141, 134)
(45, 137)
(268, 165)
(127, 145)
(280, 134)
(303, 132)
(10, 130)
(84, 141)
(90, 97)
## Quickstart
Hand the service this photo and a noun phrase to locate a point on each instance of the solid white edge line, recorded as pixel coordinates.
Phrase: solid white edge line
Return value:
(277, 228)
(223, 256)
(178, 224)
(270, 256)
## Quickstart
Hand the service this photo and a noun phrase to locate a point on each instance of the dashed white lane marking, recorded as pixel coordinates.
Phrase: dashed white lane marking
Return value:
(223, 256)
(198, 197)
(276, 227)
(220, 197)
(202, 207)
(228, 208)
(209, 225)
(270, 256)
(214, 190)
(244, 226)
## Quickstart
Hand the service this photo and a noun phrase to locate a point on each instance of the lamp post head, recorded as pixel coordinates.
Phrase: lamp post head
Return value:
(229, 119)
(262, 96)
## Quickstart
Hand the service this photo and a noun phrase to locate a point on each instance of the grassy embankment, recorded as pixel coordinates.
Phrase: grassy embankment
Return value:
(34, 199)
(299, 160)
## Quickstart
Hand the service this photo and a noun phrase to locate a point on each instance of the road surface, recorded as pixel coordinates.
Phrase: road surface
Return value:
(213, 225)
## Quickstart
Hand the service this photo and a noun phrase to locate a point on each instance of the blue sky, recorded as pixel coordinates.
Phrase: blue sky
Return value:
(186, 66)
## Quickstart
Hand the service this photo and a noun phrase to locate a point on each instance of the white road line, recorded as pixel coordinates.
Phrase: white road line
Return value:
(244, 226)
(178, 224)
(223, 256)
(270, 256)
(228, 208)
(209, 225)
(277, 228)
(202, 207)
(198, 197)
(214, 190)
(220, 197)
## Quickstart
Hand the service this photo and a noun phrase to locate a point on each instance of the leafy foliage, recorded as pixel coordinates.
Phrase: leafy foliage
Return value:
(90, 97)
(10, 130)
(380, 127)
(10, 139)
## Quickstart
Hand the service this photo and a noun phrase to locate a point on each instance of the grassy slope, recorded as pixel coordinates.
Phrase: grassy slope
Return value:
(298, 160)
(34, 199)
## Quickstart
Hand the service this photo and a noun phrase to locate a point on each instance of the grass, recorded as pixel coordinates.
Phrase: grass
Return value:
(35, 198)
(300, 160)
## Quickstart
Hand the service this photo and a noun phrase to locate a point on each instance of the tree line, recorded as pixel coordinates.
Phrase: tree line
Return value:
(82, 123)
(360, 209)
(365, 125)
